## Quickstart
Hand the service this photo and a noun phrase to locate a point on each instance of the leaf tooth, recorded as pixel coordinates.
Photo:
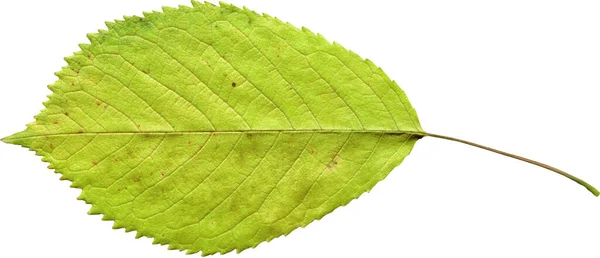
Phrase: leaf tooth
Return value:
(37, 117)
(84, 46)
(162, 241)
(195, 4)
(168, 9)
(223, 4)
(117, 22)
(31, 124)
(95, 211)
(189, 251)
(77, 60)
(129, 229)
(93, 37)
(250, 11)
(64, 73)
(110, 24)
(320, 36)
(184, 7)
(239, 250)
(307, 31)
(107, 217)
(266, 15)
(117, 225)
(278, 21)
(129, 18)
(369, 62)
(355, 55)
(102, 31)
(82, 197)
(52, 86)
(138, 234)
(69, 59)
(147, 14)
(76, 184)
(289, 25)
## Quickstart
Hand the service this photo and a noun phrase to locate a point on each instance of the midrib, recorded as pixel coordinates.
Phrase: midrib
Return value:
(221, 132)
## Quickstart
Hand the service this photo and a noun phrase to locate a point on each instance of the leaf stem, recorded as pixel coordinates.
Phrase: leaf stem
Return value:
(590, 188)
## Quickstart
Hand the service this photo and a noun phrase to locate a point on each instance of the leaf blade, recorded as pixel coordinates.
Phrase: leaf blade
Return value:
(148, 99)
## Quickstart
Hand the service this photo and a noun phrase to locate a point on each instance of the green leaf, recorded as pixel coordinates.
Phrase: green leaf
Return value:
(215, 128)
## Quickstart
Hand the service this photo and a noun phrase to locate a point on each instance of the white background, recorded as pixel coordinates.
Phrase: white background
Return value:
(522, 76)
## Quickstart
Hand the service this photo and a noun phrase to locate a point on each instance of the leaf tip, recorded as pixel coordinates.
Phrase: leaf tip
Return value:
(9, 139)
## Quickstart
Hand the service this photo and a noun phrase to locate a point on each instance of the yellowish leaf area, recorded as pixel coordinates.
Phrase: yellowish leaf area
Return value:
(213, 128)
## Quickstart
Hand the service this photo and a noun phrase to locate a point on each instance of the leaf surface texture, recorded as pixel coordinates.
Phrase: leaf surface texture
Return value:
(212, 128)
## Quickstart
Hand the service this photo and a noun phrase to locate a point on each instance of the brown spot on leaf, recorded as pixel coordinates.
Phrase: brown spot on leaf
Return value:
(116, 160)
(55, 122)
(98, 102)
(333, 164)
(94, 163)
(66, 113)
(233, 84)
(162, 174)
(72, 84)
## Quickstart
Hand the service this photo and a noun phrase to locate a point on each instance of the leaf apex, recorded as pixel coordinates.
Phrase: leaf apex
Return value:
(6, 140)
(13, 139)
